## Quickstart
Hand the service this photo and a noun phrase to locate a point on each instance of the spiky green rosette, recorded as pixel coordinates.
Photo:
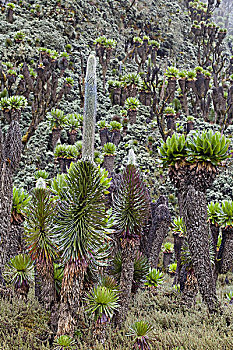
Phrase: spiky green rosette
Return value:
(131, 203)
(81, 218)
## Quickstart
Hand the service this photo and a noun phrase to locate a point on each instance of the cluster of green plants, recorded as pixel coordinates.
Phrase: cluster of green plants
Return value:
(105, 42)
(66, 151)
(203, 147)
(13, 103)
(58, 119)
(221, 213)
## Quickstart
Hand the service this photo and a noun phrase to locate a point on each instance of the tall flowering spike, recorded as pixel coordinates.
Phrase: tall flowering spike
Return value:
(131, 157)
(90, 103)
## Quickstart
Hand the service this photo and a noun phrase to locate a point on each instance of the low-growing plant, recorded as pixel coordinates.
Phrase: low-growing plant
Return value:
(229, 296)
(140, 331)
(19, 272)
(154, 278)
(64, 342)
(102, 302)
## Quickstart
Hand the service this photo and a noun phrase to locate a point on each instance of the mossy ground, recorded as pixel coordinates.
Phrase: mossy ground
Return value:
(25, 326)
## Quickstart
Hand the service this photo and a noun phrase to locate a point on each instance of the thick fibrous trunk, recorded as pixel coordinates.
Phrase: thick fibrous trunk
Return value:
(15, 244)
(161, 219)
(226, 251)
(192, 184)
(178, 242)
(129, 251)
(44, 285)
(10, 155)
(72, 285)
(190, 289)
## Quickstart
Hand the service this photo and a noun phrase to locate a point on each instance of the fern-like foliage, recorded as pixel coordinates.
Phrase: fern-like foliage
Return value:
(38, 227)
(131, 204)
(80, 221)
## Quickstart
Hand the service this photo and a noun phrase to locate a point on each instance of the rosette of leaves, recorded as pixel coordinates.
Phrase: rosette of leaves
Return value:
(213, 212)
(229, 296)
(13, 102)
(207, 147)
(114, 84)
(56, 118)
(58, 185)
(173, 150)
(132, 79)
(131, 204)
(178, 226)
(132, 103)
(226, 213)
(172, 72)
(154, 278)
(65, 151)
(108, 282)
(64, 342)
(102, 302)
(109, 149)
(38, 227)
(169, 111)
(102, 124)
(141, 267)
(19, 272)
(103, 41)
(140, 331)
(81, 217)
(114, 125)
(41, 174)
(172, 268)
(72, 121)
(168, 247)
(19, 203)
